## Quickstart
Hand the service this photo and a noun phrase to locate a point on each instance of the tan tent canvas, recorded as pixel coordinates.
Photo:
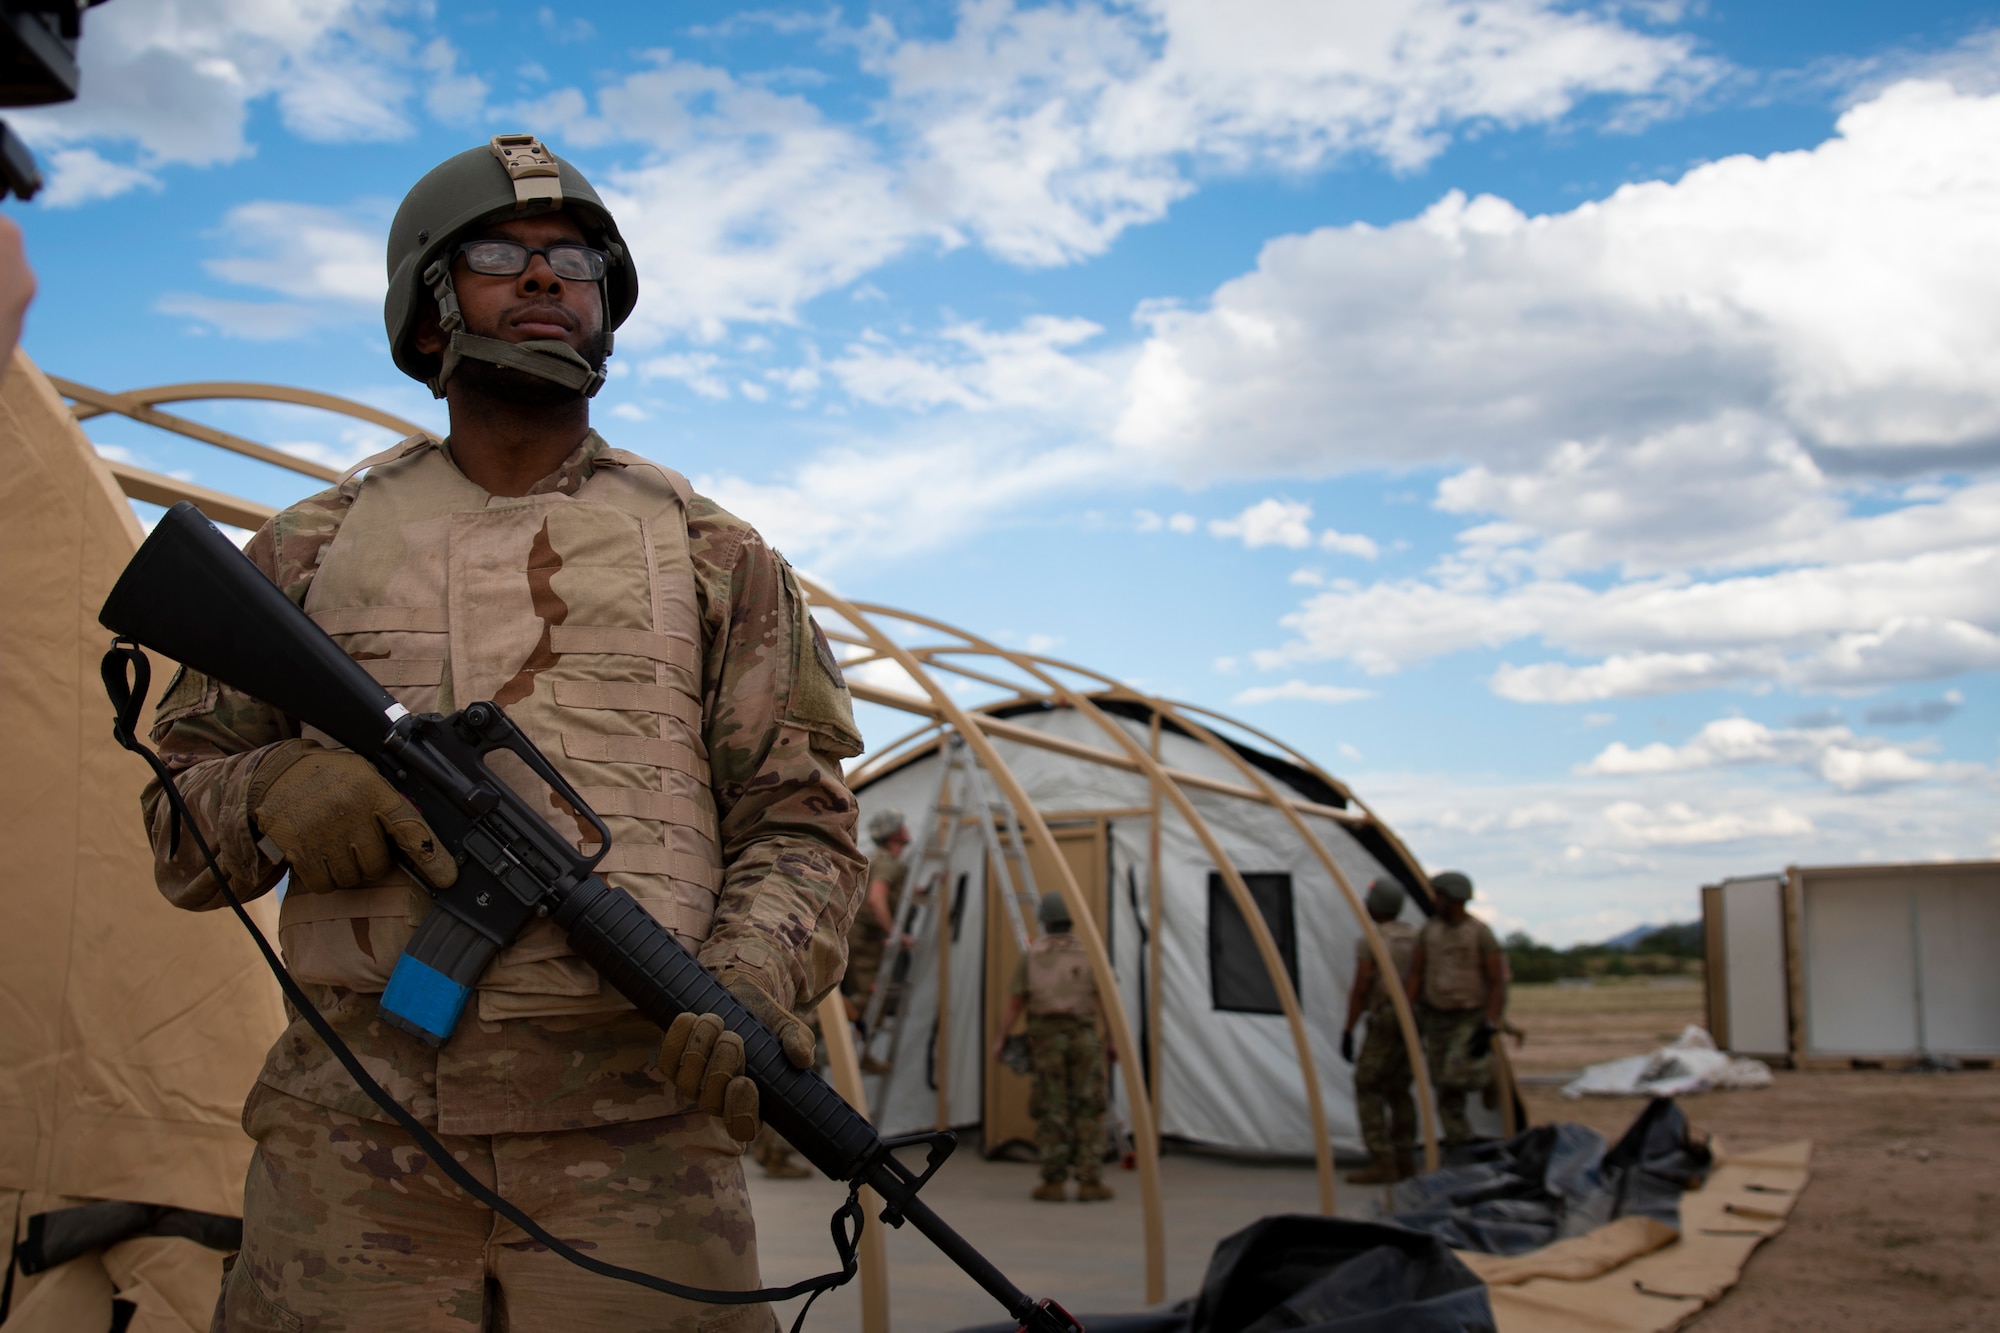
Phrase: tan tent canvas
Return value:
(129, 1031)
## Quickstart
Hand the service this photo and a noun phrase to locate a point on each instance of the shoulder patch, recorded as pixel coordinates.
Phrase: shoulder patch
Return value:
(188, 693)
(820, 701)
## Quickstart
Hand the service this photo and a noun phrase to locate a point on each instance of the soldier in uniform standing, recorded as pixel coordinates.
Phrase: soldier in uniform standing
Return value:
(1459, 978)
(1382, 1098)
(876, 917)
(1052, 983)
(661, 656)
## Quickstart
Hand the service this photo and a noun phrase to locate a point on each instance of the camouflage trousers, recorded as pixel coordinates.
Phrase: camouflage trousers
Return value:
(1454, 1069)
(1382, 1088)
(1067, 1097)
(348, 1228)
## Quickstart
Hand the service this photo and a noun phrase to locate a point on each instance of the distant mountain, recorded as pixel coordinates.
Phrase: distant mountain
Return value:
(1638, 934)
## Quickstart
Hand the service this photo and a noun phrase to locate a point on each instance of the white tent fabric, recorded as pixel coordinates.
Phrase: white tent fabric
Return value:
(1686, 1066)
(1229, 1080)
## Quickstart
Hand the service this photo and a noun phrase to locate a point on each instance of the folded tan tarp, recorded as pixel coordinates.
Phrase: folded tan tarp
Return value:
(129, 1031)
(1635, 1275)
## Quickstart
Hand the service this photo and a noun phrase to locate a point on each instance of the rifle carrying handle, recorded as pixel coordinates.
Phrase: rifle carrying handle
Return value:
(640, 959)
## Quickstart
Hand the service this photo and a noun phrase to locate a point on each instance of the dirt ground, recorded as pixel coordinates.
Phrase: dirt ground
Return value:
(1898, 1227)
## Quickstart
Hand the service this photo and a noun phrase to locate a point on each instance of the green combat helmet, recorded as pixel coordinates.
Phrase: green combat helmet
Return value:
(1452, 884)
(1385, 899)
(513, 176)
(1053, 911)
(885, 825)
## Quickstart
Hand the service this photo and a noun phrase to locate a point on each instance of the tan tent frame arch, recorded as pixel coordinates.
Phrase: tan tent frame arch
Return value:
(942, 715)
(1171, 784)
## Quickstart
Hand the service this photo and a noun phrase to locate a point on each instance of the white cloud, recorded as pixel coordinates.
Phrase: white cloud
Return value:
(1046, 131)
(174, 84)
(1183, 524)
(1928, 712)
(303, 251)
(258, 321)
(903, 495)
(748, 202)
(1678, 824)
(1573, 863)
(1269, 523)
(1835, 753)
(1349, 543)
(1757, 285)
(978, 370)
(1300, 690)
(1627, 676)
(82, 175)
(694, 369)
(451, 96)
(1852, 626)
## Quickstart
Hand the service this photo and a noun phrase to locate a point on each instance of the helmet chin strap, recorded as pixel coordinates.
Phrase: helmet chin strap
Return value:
(545, 358)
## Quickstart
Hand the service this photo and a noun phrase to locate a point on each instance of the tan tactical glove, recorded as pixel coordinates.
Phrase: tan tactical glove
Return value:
(705, 1059)
(334, 819)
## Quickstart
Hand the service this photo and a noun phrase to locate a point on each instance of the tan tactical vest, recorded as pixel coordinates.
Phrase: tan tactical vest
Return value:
(577, 615)
(1401, 939)
(1454, 971)
(1059, 980)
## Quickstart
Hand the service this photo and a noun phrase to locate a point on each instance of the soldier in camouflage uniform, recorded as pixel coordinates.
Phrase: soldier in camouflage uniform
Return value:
(1382, 1098)
(661, 656)
(875, 920)
(1458, 977)
(1052, 983)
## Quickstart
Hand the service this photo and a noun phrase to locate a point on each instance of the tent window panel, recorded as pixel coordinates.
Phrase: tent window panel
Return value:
(1237, 980)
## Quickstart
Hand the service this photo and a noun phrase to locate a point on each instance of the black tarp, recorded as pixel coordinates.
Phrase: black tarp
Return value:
(1556, 1181)
(1301, 1273)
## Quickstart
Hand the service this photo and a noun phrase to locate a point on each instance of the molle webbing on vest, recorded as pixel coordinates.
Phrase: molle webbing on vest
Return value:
(661, 861)
(390, 671)
(668, 648)
(634, 750)
(629, 697)
(642, 804)
(577, 613)
(383, 619)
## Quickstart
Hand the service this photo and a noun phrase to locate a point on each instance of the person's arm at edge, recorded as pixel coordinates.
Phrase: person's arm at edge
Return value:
(1016, 1006)
(792, 875)
(1495, 965)
(1358, 992)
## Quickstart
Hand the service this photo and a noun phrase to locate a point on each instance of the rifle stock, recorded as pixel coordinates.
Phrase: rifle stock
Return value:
(191, 595)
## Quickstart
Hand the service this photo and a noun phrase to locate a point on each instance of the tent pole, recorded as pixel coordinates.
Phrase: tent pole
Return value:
(846, 1069)
(1155, 922)
(943, 917)
(1267, 948)
(1144, 1132)
(1378, 949)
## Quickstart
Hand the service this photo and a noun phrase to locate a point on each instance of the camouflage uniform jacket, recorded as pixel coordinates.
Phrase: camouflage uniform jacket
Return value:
(775, 720)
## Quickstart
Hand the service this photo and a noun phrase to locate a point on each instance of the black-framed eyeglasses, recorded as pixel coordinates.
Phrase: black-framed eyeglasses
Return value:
(507, 259)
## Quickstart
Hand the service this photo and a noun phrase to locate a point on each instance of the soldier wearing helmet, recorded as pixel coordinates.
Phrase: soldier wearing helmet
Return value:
(875, 920)
(1053, 985)
(1382, 1073)
(661, 655)
(1458, 983)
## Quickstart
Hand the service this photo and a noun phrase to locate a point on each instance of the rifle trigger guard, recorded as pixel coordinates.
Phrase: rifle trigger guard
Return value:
(941, 1142)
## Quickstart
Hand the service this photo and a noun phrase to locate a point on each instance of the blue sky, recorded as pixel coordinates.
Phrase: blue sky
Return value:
(1574, 425)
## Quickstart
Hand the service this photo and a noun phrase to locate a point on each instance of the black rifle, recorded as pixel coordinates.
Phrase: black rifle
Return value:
(190, 594)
